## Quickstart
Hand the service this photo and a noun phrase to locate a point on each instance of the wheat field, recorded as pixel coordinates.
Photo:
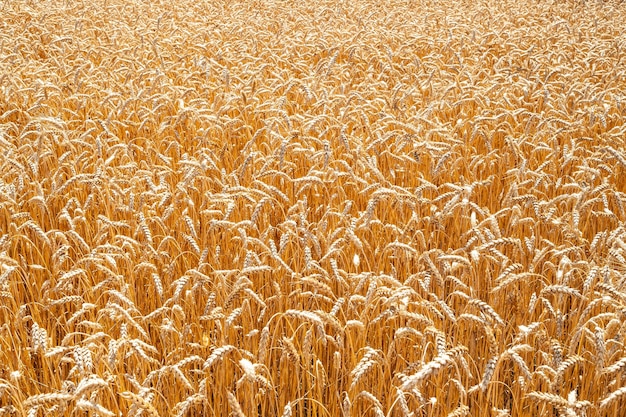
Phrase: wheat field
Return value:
(312, 208)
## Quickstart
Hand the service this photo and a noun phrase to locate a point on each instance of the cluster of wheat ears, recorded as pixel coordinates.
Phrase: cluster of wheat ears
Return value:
(312, 208)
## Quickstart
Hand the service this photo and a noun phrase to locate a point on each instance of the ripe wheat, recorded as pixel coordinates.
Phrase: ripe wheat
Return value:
(307, 208)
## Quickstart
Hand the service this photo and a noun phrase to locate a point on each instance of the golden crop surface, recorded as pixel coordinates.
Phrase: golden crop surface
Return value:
(312, 208)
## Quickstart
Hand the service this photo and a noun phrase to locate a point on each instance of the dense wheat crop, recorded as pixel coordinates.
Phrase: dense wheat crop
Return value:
(312, 208)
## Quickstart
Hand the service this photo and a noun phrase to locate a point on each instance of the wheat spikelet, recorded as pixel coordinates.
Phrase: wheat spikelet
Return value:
(378, 407)
(83, 360)
(287, 411)
(217, 355)
(549, 398)
(487, 310)
(290, 351)
(43, 399)
(115, 311)
(140, 348)
(369, 359)
(614, 396)
(615, 367)
(158, 285)
(234, 405)
(140, 402)
(263, 342)
(305, 315)
(37, 230)
(180, 376)
(181, 408)
(78, 240)
(179, 284)
(88, 385)
(428, 369)
(487, 375)
(233, 316)
(460, 411)
(560, 289)
(87, 405)
(39, 339)
(402, 403)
